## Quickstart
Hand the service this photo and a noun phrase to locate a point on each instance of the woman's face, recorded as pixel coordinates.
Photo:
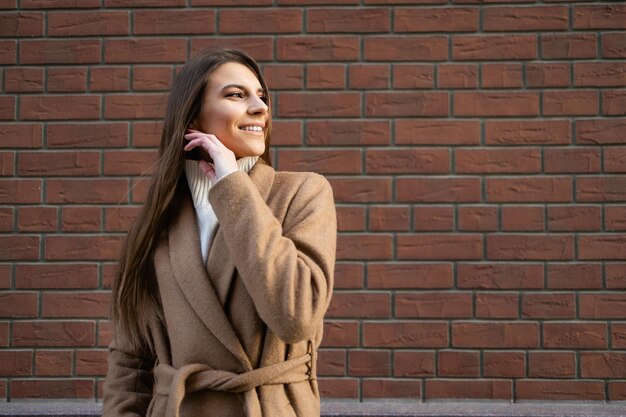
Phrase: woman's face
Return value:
(234, 110)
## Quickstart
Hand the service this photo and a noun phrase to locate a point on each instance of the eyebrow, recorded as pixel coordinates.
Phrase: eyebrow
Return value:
(241, 87)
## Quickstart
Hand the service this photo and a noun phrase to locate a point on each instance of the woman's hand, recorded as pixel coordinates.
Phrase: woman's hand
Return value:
(224, 161)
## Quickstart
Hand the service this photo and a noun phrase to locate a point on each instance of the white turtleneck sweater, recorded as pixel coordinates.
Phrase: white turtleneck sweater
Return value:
(199, 185)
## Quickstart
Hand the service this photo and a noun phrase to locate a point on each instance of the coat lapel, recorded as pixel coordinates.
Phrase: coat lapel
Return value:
(191, 275)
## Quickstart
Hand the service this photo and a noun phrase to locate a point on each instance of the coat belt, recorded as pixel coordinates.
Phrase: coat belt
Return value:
(175, 383)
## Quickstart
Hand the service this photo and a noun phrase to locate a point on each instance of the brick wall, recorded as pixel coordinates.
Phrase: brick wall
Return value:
(476, 152)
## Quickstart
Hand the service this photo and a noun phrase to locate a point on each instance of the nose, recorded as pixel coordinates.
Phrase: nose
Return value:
(257, 106)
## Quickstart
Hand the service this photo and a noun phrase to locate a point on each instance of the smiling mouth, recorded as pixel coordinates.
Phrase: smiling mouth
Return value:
(251, 128)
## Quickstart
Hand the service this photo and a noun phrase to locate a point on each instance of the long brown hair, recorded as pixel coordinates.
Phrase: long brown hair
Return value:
(135, 296)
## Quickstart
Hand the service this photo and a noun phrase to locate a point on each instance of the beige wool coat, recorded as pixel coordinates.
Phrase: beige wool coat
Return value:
(241, 333)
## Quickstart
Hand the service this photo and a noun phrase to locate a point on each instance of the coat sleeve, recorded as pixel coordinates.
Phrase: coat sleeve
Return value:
(287, 268)
(128, 386)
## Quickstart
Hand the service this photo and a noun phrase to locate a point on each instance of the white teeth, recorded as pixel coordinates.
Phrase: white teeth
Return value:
(252, 128)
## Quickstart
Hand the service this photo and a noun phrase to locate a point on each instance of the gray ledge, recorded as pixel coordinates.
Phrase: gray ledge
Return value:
(380, 408)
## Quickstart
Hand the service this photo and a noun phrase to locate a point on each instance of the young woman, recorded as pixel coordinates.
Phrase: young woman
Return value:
(226, 274)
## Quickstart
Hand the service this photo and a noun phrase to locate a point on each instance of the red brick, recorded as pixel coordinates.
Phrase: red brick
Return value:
(53, 363)
(495, 335)
(349, 276)
(350, 218)
(134, 106)
(600, 74)
(338, 387)
(160, 22)
(81, 219)
(390, 388)
(522, 218)
(284, 77)
(615, 217)
(51, 388)
(347, 132)
(438, 190)
(433, 305)
(63, 51)
(614, 45)
(331, 362)
(503, 161)
(548, 306)
(138, 189)
(53, 333)
(578, 335)
(20, 191)
(433, 218)
(458, 363)
(7, 163)
(18, 304)
(413, 363)
(365, 247)
(603, 16)
(437, 132)
(405, 1)
(618, 335)
(617, 390)
(568, 46)
(472, 104)
(66, 248)
(413, 76)
(574, 218)
(21, 135)
(614, 160)
(8, 52)
(56, 276)
(431, 161)
(457, 19)
(457, 76)
(440, 247)
(551, 364)
(47, 163)
(19, 247)
(88, 23)
(148, 134)
(408, 275)
(574, 276)
(405, 48)
(398, 104)
(105, 333)
(500, 305)
(129, 162)
(6, 219)
(475, 219)
(340, 334)
(602, 306)
(317, 48)
(389, 218)
(361, 189)
(77, 191)
(325, 77)
(143, 3)
(368, 76)
(326, 162)
(603, 364)
(548, 75)
(405, 334)
(600, 131)
(292, 104)
(601, 247)
(501, 76)
(559, 390)
(369, 363)
(570, 103)
(23, 80)
(119, 218)
(287, 133)
(60, 4)
(525, 18)
(91, 362)
(614, 103)
(530, 247)
(529, 190)
(37, 219)
(109, 78)
(352, 20)
(67, 79)
(359, 304)
(16, 363)
(468, 388)
(4, 334)
(53, 107)
(494, 47)
(21, 24)
(578, 160)
(92, 135)
(145, 50)
(504, 364)
(261, 48)
(7, 108)
(152, 78)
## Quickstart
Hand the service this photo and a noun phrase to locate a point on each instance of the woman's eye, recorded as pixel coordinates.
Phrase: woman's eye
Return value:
(235, 94)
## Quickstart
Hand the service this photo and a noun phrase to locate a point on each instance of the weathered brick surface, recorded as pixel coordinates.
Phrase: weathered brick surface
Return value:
(476, 150)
